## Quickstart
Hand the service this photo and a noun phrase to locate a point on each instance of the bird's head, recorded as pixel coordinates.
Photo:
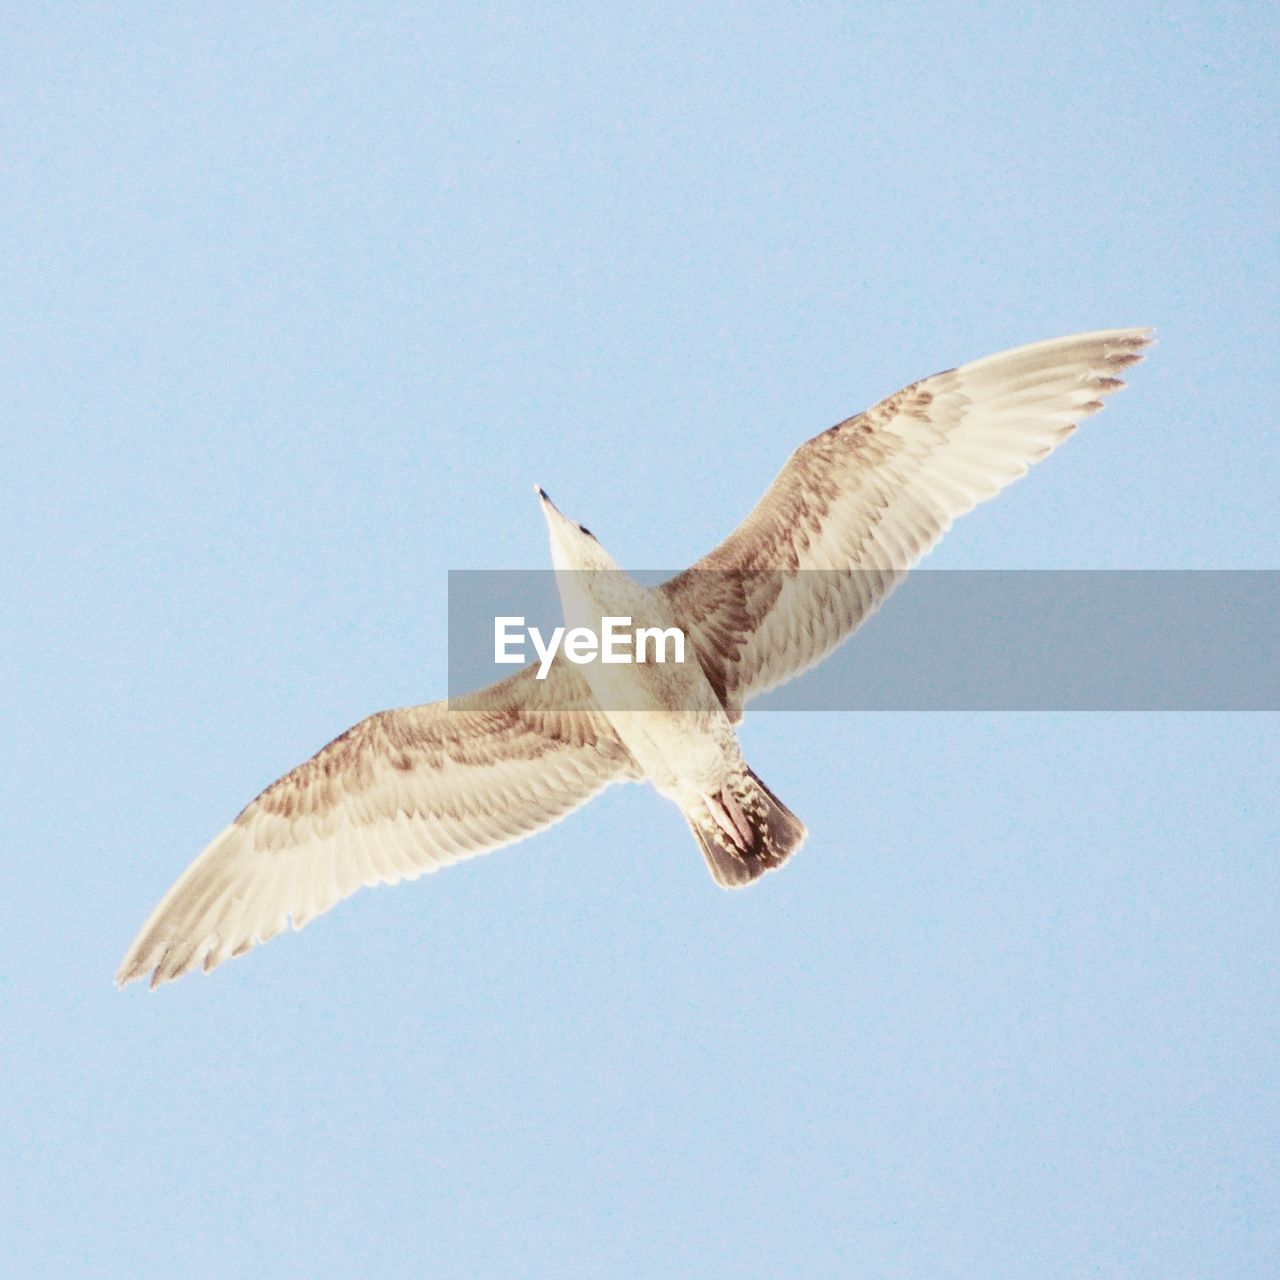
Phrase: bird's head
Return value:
(573, 546)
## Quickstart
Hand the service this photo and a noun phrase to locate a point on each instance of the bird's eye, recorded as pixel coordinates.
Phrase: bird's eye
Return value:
(585, 530)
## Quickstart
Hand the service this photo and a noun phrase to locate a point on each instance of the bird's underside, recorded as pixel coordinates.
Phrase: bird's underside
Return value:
(412, 790)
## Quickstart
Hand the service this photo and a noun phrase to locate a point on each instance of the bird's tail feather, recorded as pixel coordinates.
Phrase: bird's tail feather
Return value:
(744, 831)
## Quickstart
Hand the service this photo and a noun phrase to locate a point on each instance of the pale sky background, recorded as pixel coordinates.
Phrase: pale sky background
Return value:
(297, 304)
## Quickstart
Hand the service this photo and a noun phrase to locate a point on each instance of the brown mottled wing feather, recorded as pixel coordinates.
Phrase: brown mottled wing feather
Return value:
(857, 506)
(401, 793)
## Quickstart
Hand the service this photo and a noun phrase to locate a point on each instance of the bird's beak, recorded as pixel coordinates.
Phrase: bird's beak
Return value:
(549, 508)
(563, 533)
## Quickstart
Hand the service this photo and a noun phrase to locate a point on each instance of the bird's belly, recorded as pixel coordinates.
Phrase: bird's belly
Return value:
(679, 752)
(662, 707)
(683, 753)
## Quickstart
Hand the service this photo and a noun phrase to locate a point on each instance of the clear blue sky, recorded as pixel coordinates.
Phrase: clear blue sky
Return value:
(298, 301)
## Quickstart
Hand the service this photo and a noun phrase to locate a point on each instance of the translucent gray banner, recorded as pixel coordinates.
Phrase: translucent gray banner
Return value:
(1129, 640)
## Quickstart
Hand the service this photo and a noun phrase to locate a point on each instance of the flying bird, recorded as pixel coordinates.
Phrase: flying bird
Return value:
(412, 790)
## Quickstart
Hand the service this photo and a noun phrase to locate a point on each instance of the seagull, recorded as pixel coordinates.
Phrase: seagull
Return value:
(409, 791)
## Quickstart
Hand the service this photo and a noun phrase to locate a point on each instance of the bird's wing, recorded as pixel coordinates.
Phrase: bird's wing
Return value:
(401, 793)
(857, 506)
